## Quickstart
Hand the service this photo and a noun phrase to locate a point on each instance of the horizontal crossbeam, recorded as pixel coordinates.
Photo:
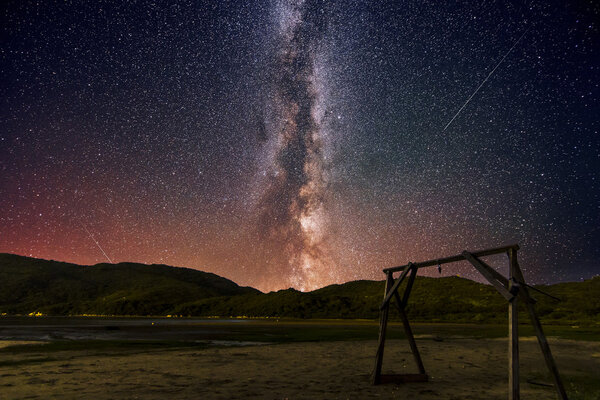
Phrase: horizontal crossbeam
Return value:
(458, 257)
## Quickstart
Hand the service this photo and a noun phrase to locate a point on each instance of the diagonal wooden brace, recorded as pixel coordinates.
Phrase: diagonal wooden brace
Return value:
(408, 332)
(542, 341)
(394, 288)
(497, 280)
(383, 320)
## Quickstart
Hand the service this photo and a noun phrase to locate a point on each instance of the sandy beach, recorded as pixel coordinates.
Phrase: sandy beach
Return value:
(458, 369)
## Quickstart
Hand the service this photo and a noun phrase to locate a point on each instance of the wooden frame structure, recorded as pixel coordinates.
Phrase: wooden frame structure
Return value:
(512, 289)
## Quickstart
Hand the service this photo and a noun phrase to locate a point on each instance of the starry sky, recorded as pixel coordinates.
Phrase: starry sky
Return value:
(290, 143)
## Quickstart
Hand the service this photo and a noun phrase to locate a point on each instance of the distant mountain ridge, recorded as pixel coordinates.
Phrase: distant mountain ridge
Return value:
(57, 288)
(29, 285)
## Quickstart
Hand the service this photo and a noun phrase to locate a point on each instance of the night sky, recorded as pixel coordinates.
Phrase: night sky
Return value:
(302, 143)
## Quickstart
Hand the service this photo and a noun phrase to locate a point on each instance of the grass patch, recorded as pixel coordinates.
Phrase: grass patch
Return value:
(323, 331)
(582, 387)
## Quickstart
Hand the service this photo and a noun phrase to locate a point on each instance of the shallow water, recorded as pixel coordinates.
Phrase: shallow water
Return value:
(97, 328)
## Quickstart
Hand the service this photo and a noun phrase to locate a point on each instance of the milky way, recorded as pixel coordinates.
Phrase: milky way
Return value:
(299, 143)
(292, 211)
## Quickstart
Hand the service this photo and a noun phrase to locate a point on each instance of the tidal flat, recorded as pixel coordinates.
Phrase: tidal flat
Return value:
(180, 358)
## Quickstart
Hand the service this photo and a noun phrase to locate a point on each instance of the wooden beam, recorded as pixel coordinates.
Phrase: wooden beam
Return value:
(409, 285)
(409, 334)
(513, 337)
(394, 288)
(490, 276)
(383, 320)
(497, 275)
(446, 260)
(543, 342)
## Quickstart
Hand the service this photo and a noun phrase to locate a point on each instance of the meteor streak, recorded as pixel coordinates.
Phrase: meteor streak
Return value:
(486, 78)
(97, 244)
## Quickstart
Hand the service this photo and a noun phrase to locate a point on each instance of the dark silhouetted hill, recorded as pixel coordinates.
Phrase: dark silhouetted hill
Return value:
(57, 288)
(449, 299)
(32, 285)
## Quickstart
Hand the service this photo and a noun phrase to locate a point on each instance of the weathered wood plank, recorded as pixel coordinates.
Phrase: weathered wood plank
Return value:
(513, 339)
(409, 335)
(451, 259)
(409, 285)
(499, 277)
(383, 320)
(394, 288)
(513, 351)
(401, 303)
(487, 275)
(542, 341)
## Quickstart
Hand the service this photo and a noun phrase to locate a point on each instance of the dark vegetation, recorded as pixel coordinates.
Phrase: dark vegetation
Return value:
(53, 288)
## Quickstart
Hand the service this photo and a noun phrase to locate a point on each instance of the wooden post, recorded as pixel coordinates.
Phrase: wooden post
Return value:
(513, 333)
(395, 286)
(529, 302)
(407, 329)
(409, 285)
(383, 320)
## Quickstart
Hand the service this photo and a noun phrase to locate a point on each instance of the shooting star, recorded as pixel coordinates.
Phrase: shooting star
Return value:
(486, 78)
(97, 244)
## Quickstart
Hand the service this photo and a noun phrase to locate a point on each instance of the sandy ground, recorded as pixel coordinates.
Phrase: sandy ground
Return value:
(458, 369)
